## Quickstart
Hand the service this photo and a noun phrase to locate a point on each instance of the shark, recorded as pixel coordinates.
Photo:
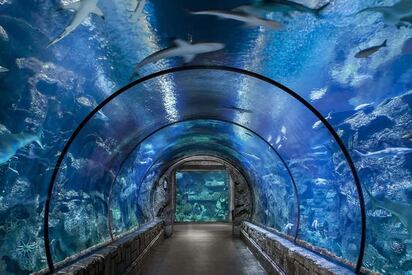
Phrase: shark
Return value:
(283, 6)
(401, 210)
(140, 6)
(83, 8)
(240, 110)
(242, 16)
(11, 143)
(392, 151)
(371, 50)
(397, 14)
(181, 48)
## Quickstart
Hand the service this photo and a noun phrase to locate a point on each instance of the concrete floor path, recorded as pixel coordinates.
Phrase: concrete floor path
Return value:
(202, 249)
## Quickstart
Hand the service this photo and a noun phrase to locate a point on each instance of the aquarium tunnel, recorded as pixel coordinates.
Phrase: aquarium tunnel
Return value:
(258, 137)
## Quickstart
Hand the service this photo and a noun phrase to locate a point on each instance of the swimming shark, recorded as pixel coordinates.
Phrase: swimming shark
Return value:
(140, 6)
(83, 8)
(181, 48)
(393, 151)
(11, 143)
(371, 50)
(240, 110)
(242, 16)
(397, 14)
(283, 6)
(401, 210)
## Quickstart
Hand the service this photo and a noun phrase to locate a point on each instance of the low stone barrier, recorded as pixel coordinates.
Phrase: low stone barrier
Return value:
(123, 256)
(281, 256)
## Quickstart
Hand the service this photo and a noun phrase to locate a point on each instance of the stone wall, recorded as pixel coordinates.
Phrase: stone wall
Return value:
(281, 256)
(123, 256)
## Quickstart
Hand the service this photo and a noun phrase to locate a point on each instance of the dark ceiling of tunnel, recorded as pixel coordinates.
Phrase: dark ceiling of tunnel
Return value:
(348, 59)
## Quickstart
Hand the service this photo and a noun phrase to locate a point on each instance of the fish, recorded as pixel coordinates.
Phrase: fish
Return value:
(315, 224)
(181, 48)
(3, 70)
(288, 226)
(407, 136)
(3, 34)
(401, 210)
(370, 51)
(11, 143)
(252, 156)
(319, 123)
(241, 16)
(320, 181)
(83, 8)
(362, 106)
(388, 152)
(240, 110)
(140, 6)
(283, 6)
(396, 15)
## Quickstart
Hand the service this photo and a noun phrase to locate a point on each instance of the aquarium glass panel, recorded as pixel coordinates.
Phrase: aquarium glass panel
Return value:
(202, 196)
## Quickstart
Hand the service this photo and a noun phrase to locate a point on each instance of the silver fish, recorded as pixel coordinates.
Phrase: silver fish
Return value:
(3, 70)
(181, 48)
(83, 8)
(369, 51)
(3, 34)
(11, 143)
(388, 152)
(241, 16)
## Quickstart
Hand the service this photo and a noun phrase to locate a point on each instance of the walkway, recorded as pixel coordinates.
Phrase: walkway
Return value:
(202, 249)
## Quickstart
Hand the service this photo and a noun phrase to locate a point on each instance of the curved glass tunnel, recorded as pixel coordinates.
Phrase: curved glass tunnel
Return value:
(145, 135)
(349, 60)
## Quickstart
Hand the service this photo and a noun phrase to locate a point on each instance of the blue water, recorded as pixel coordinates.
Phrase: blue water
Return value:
(47, 91)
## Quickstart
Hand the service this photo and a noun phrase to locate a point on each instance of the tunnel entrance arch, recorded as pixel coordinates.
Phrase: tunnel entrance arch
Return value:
(258, 78)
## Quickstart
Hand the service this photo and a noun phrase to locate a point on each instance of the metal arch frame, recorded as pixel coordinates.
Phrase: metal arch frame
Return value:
(217, 68)
(295, 190)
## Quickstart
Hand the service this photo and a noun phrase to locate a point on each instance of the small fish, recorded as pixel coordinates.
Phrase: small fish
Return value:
(321, 181)
(370, 51)
(252, 156)
(283, 6)
(362, 106)
(83, 8)
(319, 123)
(3, 34)
(396, 15)
(407, 136)
(288, 226)
(315, 224)
(181, 48)
(3, 70)
(241, 16)
(240, 110)
(11, 143)
(401, 210)
(388, 152)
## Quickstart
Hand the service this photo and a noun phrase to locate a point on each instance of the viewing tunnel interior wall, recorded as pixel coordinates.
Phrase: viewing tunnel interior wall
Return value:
(260, 135)
(48, 90)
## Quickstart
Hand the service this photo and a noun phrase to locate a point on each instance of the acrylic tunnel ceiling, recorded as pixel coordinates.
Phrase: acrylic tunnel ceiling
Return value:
(350, 60)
